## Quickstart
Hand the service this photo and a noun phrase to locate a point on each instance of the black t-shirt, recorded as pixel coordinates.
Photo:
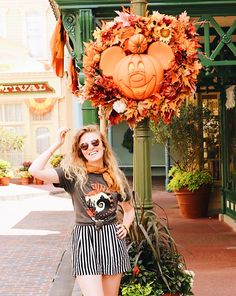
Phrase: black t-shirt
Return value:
(97, 202)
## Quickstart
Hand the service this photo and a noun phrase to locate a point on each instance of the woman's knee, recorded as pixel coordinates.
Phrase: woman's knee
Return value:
(90, 284)
(111, 284)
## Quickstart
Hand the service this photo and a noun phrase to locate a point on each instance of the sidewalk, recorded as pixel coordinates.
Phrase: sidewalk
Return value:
(208, 246)
(35, 228)
(35, 232)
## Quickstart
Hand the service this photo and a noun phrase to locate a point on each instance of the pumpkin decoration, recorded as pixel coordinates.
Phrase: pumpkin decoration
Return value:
(139, 67)
(137, 43)
(138, 76)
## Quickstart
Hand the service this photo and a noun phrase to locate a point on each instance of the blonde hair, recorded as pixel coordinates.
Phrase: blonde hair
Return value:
(74, 164)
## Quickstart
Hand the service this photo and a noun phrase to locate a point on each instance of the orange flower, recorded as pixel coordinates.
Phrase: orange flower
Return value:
(136, 270)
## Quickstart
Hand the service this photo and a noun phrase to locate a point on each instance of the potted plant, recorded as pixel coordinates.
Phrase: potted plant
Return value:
(192, 189)
(5, 172)
(157, 267)
(56, 159)
(189, 179)
(24, 174)
(10, 141)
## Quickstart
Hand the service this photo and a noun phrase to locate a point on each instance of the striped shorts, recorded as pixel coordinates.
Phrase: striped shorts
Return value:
(96, 252)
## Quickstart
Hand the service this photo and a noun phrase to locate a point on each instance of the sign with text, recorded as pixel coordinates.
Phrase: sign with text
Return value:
(30, 87)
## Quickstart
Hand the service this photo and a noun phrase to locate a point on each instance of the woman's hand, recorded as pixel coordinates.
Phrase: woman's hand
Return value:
(62, 135)
(122, 231)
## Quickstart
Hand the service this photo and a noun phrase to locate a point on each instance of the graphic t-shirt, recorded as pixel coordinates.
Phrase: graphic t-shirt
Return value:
(97, 202)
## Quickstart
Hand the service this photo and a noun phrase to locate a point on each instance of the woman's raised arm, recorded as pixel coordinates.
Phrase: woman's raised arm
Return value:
(37, 168)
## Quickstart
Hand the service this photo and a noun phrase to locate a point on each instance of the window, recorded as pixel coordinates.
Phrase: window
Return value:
(42, 139)
(15, 157)
(12, 119)
(35, 33)
(211, 133)
(13, 112)
(47, 116)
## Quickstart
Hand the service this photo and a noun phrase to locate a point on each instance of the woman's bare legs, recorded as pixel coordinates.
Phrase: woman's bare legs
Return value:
(91, 285)
(111, 284)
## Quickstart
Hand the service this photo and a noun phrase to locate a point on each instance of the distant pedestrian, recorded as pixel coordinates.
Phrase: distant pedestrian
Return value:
(96, 184)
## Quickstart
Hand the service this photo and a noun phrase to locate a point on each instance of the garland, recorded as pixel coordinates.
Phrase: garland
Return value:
(179, 81)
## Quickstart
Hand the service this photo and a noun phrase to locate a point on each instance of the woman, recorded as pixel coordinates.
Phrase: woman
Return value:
(96, 185)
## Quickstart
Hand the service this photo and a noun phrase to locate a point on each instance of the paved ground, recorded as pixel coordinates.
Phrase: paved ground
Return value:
(34, 242)
(34, 233)
(208, 246)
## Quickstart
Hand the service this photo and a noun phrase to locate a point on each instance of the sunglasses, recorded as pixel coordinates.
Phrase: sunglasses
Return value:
(84, 146)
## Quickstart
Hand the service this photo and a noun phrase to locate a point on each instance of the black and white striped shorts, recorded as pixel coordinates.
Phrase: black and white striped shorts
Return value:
(96, 252)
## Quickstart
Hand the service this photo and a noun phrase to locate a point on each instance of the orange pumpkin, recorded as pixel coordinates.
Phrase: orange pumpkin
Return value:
(137, 43)
(138, 76)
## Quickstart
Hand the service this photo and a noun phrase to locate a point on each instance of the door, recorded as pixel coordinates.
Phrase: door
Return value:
(229, 163)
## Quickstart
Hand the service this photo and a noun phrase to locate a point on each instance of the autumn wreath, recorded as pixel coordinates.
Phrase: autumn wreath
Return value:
(134, 35)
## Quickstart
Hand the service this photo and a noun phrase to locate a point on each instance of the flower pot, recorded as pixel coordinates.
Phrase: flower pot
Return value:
(24, 180)
(169, 294)
(31, 180)
(38, 181)
(193, 204)
(5, 181)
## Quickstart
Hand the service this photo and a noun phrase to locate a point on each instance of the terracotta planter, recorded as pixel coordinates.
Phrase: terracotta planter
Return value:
(193, 204)
(31, 180)
(169, 294)
(5, 181)
(38, 181)
(24, 180)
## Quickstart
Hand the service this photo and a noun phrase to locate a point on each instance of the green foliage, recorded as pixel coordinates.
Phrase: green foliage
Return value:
(4, 165)
(137, 290)
(190, 180)
(10, 141)
(185, 133)
(25, 166)
(56, 160)
(24, 174)
(154, 258)
(5, 169)
(23, 170)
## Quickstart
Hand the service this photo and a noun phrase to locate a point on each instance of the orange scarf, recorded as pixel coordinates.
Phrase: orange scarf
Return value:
(107, 175)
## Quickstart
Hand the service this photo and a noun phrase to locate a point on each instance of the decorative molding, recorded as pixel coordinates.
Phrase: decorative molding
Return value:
(69, 22)
(221, 40)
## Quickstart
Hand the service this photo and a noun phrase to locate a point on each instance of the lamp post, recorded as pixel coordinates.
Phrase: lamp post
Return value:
(142, 178)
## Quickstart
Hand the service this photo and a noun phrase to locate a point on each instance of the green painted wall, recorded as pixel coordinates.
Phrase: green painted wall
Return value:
(126, 158)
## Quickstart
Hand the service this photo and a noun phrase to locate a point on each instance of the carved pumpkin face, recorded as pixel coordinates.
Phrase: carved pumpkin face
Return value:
(138, 76)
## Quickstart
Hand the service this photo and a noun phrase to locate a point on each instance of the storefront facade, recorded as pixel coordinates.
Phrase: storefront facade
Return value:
(33, 99)
(216, 27)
